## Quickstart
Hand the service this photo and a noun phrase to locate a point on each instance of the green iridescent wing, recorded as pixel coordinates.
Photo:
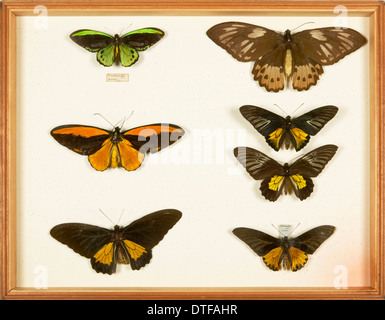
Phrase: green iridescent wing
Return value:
(137, 40)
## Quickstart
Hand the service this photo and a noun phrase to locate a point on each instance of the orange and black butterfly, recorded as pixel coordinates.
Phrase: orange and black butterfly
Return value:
(280, 56)
(128, 245)
(111, 149)
(289, 131)
(276, 177)
(289, 253)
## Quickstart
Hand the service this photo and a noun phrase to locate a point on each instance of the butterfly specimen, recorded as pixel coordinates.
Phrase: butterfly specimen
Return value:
(111, 149)
(128, 245)
(291, 253)
(276, 177)
(289, 131)
(299, 56)
(117, 49)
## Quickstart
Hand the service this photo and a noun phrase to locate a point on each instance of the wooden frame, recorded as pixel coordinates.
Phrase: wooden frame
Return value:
(10, 10)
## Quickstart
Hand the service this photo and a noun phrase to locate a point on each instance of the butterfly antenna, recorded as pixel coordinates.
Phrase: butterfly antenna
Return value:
(294, 228)
(98, 114)
(281, 109)
(302, 25)
(278, 230)
(297, 108)
(107, 217)
(120, 216)
(121, 31)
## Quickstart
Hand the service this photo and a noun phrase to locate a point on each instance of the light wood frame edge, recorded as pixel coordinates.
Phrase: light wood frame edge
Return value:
(11, 9)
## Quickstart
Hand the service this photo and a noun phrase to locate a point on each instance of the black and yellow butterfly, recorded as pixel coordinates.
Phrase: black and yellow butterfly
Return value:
(289, 131)
(117, 49)
(128, 245)
(278, 56)
(111, 149)
(276, 177)
(291, 253)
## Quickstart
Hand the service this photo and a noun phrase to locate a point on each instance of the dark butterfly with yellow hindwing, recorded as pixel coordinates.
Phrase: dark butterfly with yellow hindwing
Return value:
(111, 149)
(289, 131)
(128, 245)
(276, 177)
(291, 253)
(299, 56)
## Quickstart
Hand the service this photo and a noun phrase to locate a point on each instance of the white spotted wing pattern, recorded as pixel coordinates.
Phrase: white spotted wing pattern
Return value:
(282, 56)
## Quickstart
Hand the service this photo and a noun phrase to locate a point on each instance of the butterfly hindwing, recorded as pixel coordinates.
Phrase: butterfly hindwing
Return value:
(111, 149)
(129, 245)
(280, 56)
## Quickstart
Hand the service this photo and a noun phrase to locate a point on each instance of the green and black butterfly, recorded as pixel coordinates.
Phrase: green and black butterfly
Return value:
(289, 131)
(129, 245)
(291, 253)
(276, 177)
(299, 56)
(117, 49)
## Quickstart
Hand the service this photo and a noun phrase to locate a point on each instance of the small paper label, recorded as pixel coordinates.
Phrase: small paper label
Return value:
(117, 77)
(285, 229)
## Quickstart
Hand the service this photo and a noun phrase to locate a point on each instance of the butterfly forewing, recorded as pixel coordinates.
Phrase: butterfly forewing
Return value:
(312, 163)
(142, 39)
(312, 239)
(257, 164)
(244, 41)
(91, 40)
(328, 45)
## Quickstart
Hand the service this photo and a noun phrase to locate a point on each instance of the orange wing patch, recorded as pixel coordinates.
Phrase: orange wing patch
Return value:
(130, 158)
(298, 258)
(135, 250)
(85, 132)
(300, 136)
(100, 160)
(105, 254)
(272, 258)
(275, 137)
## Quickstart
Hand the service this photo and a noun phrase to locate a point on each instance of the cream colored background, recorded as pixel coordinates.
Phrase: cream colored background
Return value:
(187, 80)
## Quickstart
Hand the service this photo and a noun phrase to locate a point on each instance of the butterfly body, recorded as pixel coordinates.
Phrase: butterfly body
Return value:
(279, 131)
(126, 245)
(284, 253)
(277, 178)
(117, 49)
(280, 57)
(112, 149)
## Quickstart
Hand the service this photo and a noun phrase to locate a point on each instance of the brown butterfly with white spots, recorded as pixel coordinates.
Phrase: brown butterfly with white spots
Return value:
(278, 56)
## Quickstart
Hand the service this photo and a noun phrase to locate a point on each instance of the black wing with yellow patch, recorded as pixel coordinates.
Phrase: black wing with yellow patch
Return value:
(288, 131)
(276, 178)
(282, 56)
(284, 253)
(111, 149)
(130, 245)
